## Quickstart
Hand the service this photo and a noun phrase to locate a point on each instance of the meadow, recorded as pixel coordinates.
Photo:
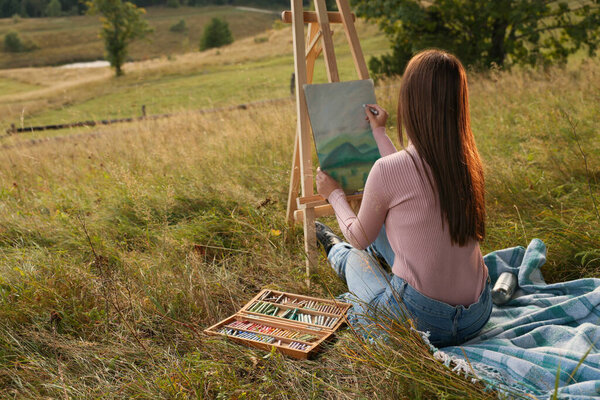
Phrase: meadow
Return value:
(119, 246)
(252, 68)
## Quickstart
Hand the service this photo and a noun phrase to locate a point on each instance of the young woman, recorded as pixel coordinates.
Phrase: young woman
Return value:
(422, 211)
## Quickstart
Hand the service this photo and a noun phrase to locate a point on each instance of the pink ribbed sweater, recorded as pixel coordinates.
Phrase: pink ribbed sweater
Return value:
(399, 196)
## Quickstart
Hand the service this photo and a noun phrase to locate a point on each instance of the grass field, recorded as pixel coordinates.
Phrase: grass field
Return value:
(117, 249)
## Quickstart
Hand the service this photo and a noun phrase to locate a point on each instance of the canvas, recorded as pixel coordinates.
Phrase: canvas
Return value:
(345, 145)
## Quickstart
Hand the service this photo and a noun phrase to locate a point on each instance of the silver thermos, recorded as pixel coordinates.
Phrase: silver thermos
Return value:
(504, 288)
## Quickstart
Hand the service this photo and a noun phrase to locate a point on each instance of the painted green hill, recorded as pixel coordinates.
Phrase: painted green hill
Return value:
(347, 154)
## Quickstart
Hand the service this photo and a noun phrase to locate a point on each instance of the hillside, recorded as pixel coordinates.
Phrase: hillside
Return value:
(65, 40)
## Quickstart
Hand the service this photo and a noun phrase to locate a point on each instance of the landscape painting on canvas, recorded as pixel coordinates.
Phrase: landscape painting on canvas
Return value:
(345, 145)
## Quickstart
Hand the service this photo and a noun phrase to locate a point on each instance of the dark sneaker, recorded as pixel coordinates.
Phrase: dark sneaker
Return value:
(326, 237)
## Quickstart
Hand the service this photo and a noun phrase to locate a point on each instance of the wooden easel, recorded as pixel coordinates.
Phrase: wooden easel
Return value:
(309, 205)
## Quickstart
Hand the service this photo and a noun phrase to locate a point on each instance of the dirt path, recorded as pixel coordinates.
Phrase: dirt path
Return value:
(259, 10)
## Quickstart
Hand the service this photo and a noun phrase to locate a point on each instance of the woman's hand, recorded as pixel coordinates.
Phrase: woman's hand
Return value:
(326, 184)
(376, 121)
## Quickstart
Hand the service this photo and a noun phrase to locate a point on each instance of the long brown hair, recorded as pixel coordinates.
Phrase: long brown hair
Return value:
(434, 109)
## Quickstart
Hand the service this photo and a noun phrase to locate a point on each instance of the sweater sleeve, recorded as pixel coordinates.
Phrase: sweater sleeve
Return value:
(362, 229)
(385, 145)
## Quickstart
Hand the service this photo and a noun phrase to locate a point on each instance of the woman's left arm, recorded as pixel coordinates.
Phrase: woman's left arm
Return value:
(359, 230)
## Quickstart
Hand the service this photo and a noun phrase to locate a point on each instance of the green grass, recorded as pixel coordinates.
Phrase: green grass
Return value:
(183, 213)
(9, 86)
(212, 87)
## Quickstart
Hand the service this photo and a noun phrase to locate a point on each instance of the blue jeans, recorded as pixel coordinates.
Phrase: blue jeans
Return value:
(373, 290)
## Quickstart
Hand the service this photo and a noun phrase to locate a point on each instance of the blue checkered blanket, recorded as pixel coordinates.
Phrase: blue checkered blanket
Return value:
(543, 330)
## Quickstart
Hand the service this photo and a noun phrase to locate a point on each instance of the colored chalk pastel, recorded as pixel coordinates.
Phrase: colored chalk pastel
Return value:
(265, 294)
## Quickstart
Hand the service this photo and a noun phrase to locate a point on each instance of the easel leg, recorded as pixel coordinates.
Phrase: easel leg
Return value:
(294, 182)
(313, 53)
(352, 37)
(310, 243)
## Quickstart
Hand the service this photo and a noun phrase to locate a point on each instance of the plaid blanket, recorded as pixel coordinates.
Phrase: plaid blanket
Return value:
(543, 331)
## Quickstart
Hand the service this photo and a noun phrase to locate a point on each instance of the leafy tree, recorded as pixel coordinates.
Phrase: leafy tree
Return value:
(122, 23)
(53, 9)
(173, 3)
(484, 32)
(216, 34)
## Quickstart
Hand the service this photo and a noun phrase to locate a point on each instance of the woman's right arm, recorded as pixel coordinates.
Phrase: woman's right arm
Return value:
(385, 145)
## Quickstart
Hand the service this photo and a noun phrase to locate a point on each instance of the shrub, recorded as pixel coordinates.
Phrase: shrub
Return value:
(278, 24)
(179, 26)
(216, 34)
(13, 42)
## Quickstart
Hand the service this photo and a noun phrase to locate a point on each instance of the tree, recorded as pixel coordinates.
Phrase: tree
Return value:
(53, 9)
(122, 23)
(216, 34)
(484, 32)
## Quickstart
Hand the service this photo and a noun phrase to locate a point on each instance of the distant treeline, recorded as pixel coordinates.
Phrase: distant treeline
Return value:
(40, 8)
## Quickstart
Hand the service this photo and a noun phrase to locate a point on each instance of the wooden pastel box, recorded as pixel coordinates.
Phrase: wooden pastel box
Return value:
(294, 324)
